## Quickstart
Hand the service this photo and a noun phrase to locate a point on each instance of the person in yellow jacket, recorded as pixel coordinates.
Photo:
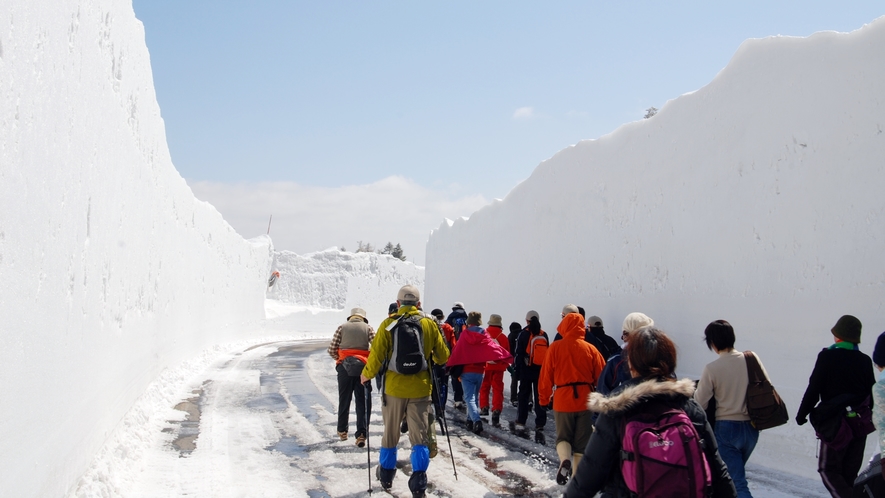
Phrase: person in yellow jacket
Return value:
(405, 395)
(568, 376)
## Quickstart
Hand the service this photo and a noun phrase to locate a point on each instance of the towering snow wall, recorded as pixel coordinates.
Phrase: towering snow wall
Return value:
(332, 282)
(757, 199)
(111, 270)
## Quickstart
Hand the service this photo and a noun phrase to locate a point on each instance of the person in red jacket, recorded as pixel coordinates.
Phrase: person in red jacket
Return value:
(474, 349)
(572, 367)
(493, 375)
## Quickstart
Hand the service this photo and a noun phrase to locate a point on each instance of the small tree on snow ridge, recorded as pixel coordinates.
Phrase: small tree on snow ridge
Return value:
(367, 247)
(651, 111)
(398, 253)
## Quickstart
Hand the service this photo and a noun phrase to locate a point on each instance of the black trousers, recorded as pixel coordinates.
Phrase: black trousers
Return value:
(442, 380)
(457, 390)
(838, 469)
(348, 388)
(528, 390)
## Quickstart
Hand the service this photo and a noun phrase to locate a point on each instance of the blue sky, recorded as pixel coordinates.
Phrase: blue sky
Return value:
(463, 99)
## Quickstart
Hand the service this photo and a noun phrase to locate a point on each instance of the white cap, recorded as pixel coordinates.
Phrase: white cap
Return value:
(636, 321)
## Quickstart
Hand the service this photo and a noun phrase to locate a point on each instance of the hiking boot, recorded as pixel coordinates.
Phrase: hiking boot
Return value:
(418, 483)
(361, 441)
(404, 427)
(514, 402)
(342, 435)
(518, 430)
(484, 412)
(496, 418)
(564, 472)
(385, 476)
(477, 427)
(469, 425)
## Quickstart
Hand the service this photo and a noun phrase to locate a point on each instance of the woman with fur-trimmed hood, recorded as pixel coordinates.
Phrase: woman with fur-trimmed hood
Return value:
(652, 359)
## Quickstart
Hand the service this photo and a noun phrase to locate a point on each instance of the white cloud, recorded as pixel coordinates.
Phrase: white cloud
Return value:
(307, 219)
(524, 113)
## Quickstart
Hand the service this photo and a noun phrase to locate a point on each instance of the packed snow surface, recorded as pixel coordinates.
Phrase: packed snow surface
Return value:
(756, 199)
(260, 420)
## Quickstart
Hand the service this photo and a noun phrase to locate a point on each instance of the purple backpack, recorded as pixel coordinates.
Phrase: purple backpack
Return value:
(662, 455)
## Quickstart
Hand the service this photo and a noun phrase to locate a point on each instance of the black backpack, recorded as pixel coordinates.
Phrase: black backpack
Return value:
(407, 356)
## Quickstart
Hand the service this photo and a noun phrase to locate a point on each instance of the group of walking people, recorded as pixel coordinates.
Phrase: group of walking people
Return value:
(607, 400)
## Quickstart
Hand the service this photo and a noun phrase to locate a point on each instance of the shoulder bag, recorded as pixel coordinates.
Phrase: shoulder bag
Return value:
(765, 406)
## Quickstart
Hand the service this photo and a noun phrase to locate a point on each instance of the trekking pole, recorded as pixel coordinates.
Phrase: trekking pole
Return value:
(368, 388)
(442, 416)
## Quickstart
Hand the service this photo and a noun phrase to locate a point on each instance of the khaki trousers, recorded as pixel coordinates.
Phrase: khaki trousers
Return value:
(414, 410)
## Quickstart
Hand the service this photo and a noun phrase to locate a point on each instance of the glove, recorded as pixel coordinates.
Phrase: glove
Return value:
(801, 421)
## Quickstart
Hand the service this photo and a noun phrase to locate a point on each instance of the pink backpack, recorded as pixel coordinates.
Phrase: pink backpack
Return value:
(662, 456)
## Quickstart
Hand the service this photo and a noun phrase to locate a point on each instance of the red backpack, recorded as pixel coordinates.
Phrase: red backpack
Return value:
(662, 455)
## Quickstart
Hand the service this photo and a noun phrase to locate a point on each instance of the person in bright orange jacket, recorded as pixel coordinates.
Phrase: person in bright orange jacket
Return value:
(572, 367)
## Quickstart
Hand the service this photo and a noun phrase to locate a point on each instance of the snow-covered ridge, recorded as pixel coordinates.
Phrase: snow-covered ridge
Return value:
(112, 271)
(757, 199)
(336, 280)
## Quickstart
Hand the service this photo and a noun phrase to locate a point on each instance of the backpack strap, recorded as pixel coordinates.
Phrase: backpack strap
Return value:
(624, 455)
(616, 368)
(497, 336)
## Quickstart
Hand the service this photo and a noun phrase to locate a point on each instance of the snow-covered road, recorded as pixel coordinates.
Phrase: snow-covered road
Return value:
(261, 422)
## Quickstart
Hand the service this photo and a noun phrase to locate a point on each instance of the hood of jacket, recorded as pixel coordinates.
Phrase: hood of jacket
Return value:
(476, 335)
(637, 392)
(572, 327)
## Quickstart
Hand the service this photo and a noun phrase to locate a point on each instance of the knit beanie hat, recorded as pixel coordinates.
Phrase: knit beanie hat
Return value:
(474, 318)
(515, 327)
(495, 320)
(438, 314)
(530, 314)
(636, 321)
(393, 308)
(847, 329)
(879, 352)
